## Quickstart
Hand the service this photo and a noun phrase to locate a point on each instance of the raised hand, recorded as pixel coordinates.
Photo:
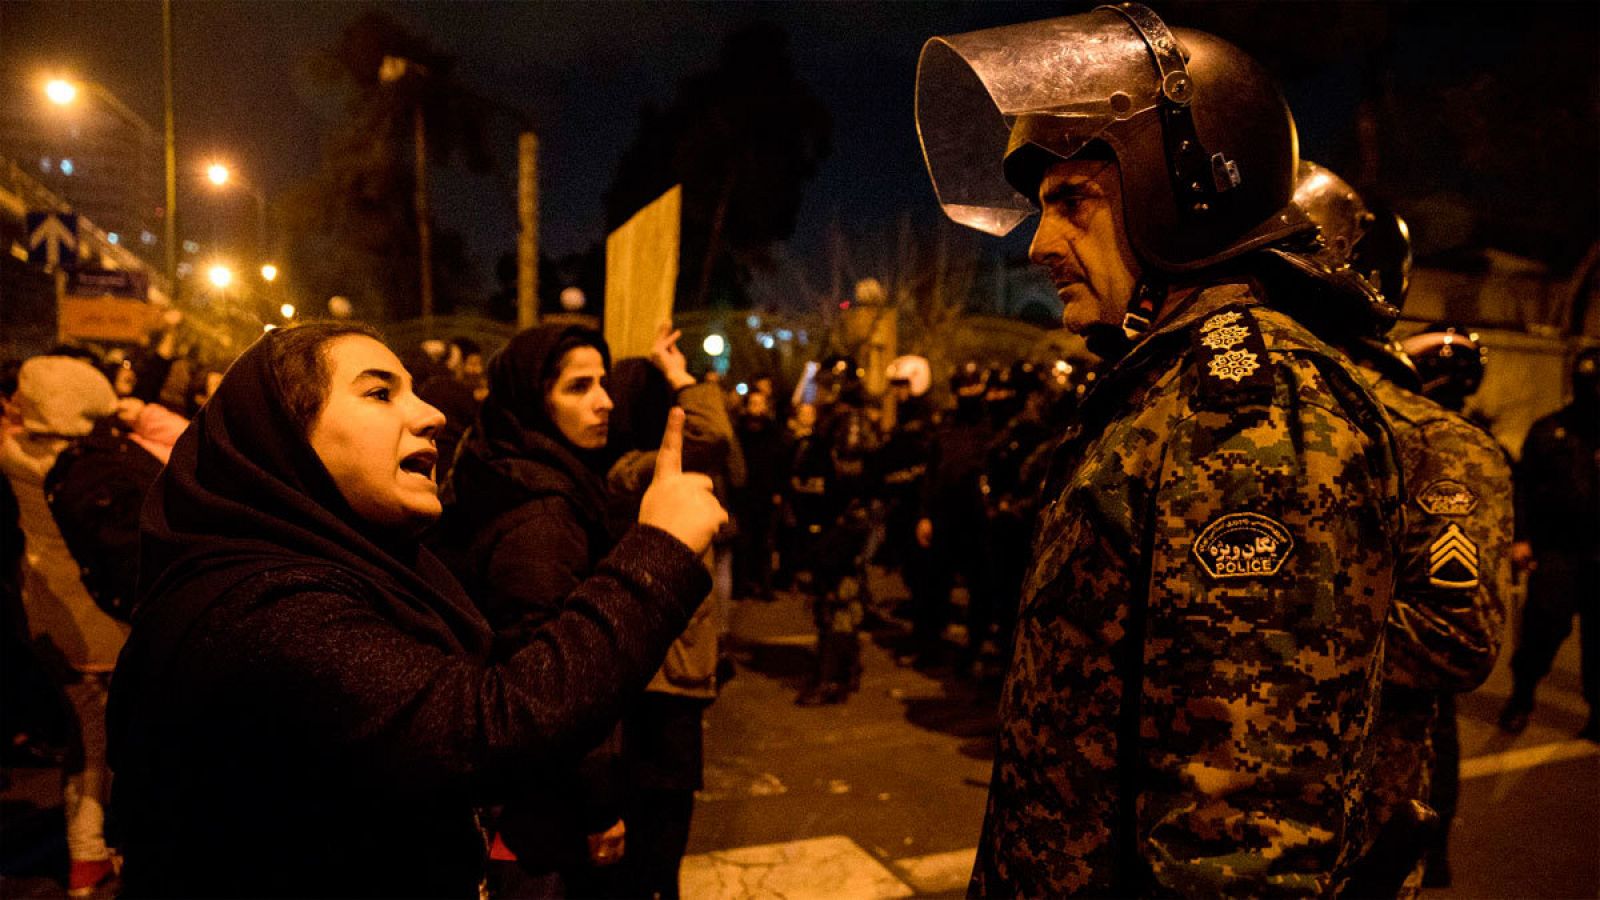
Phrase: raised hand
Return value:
(666, 356)
(677, 502)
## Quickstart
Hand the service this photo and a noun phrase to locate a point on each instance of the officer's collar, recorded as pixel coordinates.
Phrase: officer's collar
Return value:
(1185, 306)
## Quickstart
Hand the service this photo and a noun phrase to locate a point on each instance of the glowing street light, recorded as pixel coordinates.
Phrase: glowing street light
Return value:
(714, 345)
(61, 91)
(220, 275)
(269, 272)
(287, 310)
(221, 176)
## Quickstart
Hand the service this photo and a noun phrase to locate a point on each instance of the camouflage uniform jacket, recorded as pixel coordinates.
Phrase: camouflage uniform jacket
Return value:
(1445, 626)
(1213, 574)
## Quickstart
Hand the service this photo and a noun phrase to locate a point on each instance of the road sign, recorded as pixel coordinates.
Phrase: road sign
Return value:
(53, 239)
(109, 283)
(106, 319)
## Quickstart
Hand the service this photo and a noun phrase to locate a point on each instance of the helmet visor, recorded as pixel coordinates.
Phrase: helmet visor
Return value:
(1055, 85)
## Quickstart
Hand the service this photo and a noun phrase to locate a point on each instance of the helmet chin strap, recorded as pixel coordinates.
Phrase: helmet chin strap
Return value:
(1143, 307)
(1111, 342)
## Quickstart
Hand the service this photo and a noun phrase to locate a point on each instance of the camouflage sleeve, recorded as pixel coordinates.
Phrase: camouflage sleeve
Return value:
(1271, 569)
(1445, 627)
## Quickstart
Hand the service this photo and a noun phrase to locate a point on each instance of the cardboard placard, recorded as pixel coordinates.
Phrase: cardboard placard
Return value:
(642, 275)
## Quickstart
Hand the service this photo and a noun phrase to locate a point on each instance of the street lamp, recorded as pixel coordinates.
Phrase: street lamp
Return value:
(287, 310)
(269, 273)
(221, 176)
(60, 91)
(219, 275)
(65, 91)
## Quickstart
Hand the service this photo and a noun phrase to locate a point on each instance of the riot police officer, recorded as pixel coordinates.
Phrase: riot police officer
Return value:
(1197, 650)
(1445, 626)
(1011, 491)
(1558, 541)
(830, 496)
(950, 532)
(902, 461)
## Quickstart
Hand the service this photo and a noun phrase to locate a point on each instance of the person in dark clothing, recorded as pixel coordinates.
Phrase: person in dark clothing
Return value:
(524, 522)
(760, 436)
(1558, 543)
(950, 532)
(663, 748)
(36, 721)
(1011, 499)
(829, 487)
(309, 703)
(902, 461)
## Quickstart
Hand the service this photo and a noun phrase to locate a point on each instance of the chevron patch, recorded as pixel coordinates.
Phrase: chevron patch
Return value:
(1453, 560)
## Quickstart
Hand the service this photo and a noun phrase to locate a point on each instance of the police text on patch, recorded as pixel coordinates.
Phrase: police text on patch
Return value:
(1243, 545)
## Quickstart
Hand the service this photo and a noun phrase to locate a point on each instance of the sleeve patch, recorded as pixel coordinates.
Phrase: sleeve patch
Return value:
(1243, 545)
(1453, 560)
(1447, 498)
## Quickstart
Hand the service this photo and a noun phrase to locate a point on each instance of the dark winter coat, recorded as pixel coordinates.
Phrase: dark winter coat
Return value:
(307, 707)
(524, 524)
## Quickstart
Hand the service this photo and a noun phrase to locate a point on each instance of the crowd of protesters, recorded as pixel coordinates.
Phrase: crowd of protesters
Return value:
(418, 611)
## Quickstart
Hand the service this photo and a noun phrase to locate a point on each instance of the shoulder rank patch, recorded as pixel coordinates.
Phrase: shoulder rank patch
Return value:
(1231, 360)
(1447, 498)
(1243, 545)
(1453, 560)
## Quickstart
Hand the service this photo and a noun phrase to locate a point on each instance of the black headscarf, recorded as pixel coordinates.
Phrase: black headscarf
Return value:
(244, 493)
(515, 452)
(643, 400)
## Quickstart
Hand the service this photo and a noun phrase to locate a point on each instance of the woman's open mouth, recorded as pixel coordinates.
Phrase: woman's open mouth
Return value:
(420, 463)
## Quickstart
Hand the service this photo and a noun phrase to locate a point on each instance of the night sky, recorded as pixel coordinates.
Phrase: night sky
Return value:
(581, 71)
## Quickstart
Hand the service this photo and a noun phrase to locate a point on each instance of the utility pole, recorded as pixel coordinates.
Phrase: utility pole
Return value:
(170, 219)
(528, 230)
(424, 226)
(391, 71)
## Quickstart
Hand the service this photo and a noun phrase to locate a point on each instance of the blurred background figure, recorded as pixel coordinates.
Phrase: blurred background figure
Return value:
(60, 399)
(950, 532)
(663, 750)
(830, 496)
(756, 504)
(1558, 544)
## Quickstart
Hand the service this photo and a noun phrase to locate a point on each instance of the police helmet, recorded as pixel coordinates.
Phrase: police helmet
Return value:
(968, 376)
(1204, 140)
(1343, 258)
(1450, 360)
(839, 380)
(913, 372)
(1383, 256)
(1021, 377)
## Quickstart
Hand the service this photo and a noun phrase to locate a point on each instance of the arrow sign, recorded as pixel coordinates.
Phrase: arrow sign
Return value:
(51, 233)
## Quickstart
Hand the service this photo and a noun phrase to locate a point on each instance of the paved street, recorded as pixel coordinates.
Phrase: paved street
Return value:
(883, 797)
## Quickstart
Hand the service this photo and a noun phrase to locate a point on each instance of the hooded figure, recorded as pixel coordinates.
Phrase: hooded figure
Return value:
(525, 521)
(308, 703)
(516, 476)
